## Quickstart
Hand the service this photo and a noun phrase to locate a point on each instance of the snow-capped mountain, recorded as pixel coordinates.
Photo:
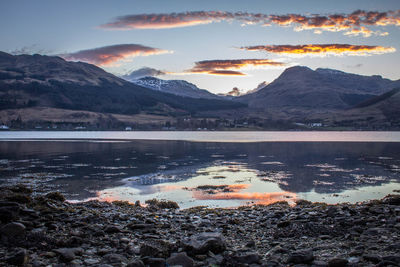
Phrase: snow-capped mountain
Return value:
(176, 87)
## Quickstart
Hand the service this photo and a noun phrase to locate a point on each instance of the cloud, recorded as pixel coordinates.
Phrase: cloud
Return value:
(175, 20)
(352, 24)
(143, 72)
(231, 66)
(110, 55)
(322, 49)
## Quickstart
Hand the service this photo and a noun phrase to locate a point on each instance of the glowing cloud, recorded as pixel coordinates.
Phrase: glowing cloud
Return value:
(352, 24)
(230, 66)
(110, 55)
(322, 49)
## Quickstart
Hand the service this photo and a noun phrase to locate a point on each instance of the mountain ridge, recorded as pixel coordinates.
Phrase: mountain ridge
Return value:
(47, 81)
(325, 89)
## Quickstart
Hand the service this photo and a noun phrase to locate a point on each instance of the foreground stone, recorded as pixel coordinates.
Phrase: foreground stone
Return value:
(47, 231)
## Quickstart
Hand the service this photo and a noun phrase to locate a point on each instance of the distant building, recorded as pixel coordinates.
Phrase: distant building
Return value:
(128, 128)
(316, 124)
(4, 127)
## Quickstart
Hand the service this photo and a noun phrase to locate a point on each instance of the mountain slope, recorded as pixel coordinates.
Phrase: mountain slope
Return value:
(45, 81)
(388, 104)
(322, 89)
(176, 87)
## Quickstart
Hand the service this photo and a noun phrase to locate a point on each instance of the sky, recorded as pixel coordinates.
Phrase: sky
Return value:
(217, 45)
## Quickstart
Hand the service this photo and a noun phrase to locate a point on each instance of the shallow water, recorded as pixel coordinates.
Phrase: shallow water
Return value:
(215, 174)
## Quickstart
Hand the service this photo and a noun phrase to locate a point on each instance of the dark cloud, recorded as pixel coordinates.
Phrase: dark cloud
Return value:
(142, 72)
(184, 19)
(352, 24)
(322, 49)
(230, 66)
(109, 55)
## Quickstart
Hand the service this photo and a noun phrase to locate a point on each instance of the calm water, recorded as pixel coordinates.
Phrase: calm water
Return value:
(329, 167)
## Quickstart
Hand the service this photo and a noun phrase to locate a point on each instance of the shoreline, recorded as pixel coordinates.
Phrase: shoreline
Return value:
(45, 229)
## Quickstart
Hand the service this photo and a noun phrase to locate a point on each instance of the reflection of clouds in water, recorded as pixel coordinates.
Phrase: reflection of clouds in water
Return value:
(147, 190)
(258, 198)
(272, 163)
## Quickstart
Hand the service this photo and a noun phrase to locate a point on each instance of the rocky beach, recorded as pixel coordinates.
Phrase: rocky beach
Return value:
(45, 230)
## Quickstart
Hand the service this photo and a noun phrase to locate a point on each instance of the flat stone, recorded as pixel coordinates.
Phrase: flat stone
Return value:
(204, 242)
(338, 262)
(13, 229)
(301, 256)
(180, 259)
(66, 254)
(20, 258)
(135, 263)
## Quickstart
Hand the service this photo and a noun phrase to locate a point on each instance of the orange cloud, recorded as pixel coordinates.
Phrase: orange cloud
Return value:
(353, 22)
(230, 66)
(322, 49)
(110, 55)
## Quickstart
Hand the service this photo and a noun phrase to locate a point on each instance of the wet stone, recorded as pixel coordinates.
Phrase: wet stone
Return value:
(180, 259)
(13, 229)
(20, 258)
(338, 262)
(301, 256)
(204, 242)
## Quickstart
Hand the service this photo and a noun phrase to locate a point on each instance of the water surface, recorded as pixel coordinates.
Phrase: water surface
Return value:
(216, 174)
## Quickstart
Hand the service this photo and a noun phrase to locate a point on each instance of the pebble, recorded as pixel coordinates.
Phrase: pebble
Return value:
(50, 232)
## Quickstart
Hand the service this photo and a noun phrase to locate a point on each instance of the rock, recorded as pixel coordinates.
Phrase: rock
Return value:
(13, 229)
(246, 258)
(20, 258)
(353, 260)
(301, 256)
(155, 262)
(9, 211)
(283, 224)
(135, 263)
(180, 259)
(392, 258)
(114, 258)
(251, 244)
(155, 248)
(338, 262)
(319, 264)
(372, 258)
(112, 229)
(204, 242)
(140, 226)
(67, 254)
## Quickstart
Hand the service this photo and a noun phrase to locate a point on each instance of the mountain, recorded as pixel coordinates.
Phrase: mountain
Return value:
(176, 87)
(47, 81)
(321, 89)
(378, 113)
(388, 104)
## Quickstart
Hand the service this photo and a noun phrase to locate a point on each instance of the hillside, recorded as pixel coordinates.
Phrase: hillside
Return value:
(323, 89)
(44, 81)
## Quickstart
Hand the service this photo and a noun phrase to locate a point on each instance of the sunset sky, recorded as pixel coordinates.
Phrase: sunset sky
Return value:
(216, 45)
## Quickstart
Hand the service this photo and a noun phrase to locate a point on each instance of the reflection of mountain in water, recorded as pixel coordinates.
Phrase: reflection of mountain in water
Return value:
(81, 168)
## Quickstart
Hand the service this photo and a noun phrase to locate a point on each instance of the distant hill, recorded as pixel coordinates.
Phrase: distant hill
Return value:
(388, 104)
(323, 89)
(176, 87)
(28, 81)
